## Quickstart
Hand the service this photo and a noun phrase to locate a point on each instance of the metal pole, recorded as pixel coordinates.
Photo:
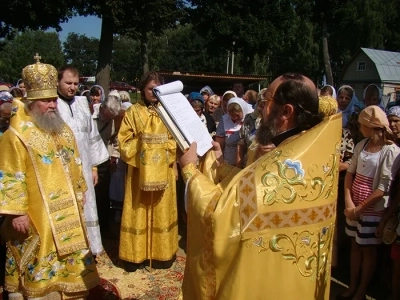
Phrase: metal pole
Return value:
(227, 63)
(233, 59)
(233, 56)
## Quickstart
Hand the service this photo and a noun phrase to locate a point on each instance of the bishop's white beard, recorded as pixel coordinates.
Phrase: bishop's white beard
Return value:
(50, 122)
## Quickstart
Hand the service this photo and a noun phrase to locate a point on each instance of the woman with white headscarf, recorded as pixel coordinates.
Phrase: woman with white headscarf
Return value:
(227, 134)
(372, 95)
(96, 95)
(346, 99)
(328, 90)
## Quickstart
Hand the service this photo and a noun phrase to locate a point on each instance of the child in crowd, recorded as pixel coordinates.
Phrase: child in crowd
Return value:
(367, 181)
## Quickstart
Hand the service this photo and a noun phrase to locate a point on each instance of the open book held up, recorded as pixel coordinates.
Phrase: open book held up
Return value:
(180, 118)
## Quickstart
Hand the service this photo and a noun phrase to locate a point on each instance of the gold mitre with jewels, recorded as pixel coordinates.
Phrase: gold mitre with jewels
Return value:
(40, 80)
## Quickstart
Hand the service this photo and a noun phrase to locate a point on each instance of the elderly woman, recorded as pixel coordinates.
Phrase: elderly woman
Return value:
(228, 129)
(219, 112)
(346, 100)
(348, 105)
(206, 92)
(197, 102)
(248, 131)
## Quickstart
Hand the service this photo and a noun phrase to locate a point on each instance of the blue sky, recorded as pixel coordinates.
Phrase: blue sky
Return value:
(90, 26)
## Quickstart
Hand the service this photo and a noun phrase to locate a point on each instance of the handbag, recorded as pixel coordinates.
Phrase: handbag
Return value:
(389, 233)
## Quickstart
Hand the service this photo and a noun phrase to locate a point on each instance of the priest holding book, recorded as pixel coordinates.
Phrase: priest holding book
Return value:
(266, 231)
(149, 224)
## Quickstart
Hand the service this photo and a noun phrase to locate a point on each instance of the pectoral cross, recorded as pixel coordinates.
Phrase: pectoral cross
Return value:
(37, 57)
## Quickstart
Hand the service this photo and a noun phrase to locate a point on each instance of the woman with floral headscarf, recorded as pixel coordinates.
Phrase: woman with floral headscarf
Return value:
(367, 184)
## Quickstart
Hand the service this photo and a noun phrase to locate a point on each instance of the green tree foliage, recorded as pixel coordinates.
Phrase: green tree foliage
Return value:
(126, 62)
(183, 49)
(136, 19)
(35, 15)
(392, 21)
(82, 52)
(18, 53)
(273, 30)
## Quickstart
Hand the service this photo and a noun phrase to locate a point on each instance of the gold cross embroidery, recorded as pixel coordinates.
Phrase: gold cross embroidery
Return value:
(156, 158)
(37, 57)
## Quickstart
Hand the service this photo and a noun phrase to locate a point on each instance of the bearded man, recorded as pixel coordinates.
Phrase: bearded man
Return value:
(266, 230)
(42, 198)
(74, 110)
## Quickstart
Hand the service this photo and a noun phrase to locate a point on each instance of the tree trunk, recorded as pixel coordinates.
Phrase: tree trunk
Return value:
(105, 53)
(325, 51)
(143, 51)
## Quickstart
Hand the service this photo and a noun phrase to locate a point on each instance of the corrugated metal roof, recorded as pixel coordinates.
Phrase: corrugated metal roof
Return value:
(387, 63)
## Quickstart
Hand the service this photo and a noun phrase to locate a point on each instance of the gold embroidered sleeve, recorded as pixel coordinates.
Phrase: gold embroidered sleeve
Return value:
(128, 139)
(188, 171)
(13, 194)
(225, 172)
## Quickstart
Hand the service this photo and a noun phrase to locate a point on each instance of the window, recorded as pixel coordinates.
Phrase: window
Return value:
(361, 66)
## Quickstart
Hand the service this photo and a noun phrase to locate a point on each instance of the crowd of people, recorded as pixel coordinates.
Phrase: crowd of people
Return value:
(291, 170)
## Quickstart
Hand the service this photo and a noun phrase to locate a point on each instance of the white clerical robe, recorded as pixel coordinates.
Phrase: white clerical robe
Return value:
(93, 152)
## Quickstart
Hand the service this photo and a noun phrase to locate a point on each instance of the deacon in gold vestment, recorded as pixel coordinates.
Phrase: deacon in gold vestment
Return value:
(149, 226)
(265, 232)
(42, 190)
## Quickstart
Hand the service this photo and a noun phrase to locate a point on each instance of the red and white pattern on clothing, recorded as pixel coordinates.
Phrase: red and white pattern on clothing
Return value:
(360, 190)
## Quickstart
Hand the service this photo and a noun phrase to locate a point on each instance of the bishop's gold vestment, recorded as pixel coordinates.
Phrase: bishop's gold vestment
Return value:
(41, 176)
(266, 233)
(149, 226)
